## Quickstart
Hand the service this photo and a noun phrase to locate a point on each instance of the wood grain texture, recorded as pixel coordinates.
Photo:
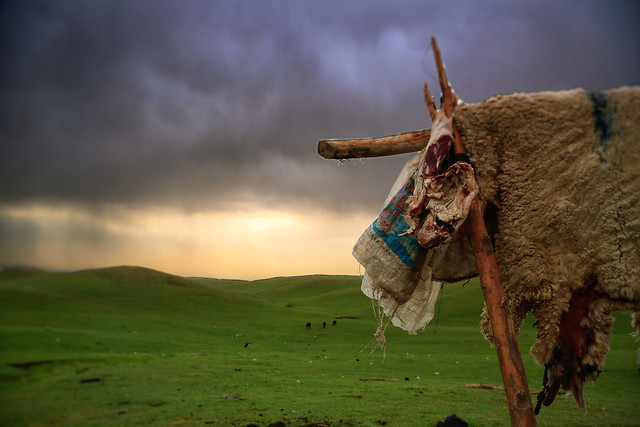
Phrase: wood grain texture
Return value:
(374, 147)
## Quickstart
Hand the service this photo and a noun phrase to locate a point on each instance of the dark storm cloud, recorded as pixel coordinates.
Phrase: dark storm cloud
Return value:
(202, 104)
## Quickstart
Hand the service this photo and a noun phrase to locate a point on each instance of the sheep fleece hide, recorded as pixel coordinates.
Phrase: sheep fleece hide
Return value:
(560, 173)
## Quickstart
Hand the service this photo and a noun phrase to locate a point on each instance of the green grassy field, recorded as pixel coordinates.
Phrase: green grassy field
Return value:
(131, 346)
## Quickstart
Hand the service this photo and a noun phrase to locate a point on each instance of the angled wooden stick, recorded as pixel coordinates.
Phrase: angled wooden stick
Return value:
(448, 101)
(486, 386)
(504, 335)
(431, 106)
(374, 147)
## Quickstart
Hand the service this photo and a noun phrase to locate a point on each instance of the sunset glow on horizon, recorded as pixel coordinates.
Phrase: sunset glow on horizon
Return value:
(252, 243)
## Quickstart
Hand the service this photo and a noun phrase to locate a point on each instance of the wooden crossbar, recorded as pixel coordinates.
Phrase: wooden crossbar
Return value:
(374, 147)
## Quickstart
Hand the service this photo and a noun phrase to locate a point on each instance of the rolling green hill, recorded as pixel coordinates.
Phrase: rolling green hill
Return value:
(130, 346)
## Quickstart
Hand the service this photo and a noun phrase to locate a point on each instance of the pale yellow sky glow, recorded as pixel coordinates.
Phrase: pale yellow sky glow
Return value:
(246, 244)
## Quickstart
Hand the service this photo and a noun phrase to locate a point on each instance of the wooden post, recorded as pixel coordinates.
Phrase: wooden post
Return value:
(504, 335)
(513, 374)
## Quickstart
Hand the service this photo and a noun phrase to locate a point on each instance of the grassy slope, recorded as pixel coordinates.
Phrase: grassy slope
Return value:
(133, 346)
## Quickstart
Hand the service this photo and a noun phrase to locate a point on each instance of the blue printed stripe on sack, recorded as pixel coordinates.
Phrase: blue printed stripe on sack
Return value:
(391, 224)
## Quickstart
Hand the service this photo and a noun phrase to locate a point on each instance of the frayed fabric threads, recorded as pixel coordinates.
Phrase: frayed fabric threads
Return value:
(379, 340)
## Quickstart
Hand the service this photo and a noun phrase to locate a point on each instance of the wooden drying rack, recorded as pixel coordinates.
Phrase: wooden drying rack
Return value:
(513, 374)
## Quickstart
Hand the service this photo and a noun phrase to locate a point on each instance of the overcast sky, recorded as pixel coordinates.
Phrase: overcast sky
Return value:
(162, 132)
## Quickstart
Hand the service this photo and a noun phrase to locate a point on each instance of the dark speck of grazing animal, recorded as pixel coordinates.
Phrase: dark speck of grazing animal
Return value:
(324, 325)
(335, 323)
(308, 325)
(247, 344)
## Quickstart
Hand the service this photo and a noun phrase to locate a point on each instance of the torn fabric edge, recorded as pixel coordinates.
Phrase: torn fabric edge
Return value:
(397, 273)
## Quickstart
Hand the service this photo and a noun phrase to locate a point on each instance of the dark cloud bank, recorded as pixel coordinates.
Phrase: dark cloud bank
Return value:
(202, 104)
